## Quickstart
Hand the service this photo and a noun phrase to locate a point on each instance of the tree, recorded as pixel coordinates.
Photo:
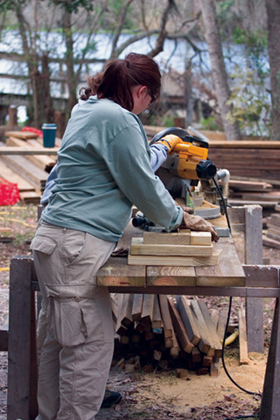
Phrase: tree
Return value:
(273, 19)
(220, 78)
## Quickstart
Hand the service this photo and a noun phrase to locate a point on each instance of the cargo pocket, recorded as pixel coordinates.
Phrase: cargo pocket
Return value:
(43, 244)
(66, 321)
(74, 321)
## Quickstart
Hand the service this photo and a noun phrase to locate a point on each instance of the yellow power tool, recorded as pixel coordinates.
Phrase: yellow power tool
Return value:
(189, 158)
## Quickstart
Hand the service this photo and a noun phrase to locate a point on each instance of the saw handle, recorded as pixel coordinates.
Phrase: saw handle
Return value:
(180, 132)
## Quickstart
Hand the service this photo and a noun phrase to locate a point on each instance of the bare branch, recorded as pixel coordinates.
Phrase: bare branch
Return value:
(119, 28)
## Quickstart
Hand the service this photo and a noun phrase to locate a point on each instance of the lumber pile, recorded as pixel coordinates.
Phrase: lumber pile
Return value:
(242, 192)
(272, 237)
(158, 331)
(29, 172)
(173, 249)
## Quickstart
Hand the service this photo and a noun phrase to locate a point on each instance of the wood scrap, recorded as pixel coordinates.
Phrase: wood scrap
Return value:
(172, 261)
(243, 343)
(139, 248)
(181, 333)
(188, 320)
(167, 238)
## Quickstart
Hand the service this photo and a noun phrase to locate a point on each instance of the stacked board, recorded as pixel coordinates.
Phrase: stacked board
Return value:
(272, 238)
(173, 249)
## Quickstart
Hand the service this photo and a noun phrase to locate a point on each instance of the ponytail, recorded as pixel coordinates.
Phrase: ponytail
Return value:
(120, 76)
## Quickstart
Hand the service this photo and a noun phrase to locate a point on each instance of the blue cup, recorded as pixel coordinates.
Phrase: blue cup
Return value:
(49, 132)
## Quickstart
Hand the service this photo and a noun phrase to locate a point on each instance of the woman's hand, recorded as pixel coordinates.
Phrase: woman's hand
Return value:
(199, 224)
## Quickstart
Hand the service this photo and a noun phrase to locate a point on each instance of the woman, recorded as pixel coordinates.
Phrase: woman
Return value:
(103, 168)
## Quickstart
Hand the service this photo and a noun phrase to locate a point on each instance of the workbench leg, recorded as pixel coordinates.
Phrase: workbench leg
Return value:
(254, 255)
(21, 331)
(270, 406)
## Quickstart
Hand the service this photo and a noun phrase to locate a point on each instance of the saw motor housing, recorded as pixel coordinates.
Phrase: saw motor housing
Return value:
(186, 164)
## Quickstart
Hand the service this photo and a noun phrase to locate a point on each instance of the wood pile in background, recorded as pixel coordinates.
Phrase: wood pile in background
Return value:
(29, 172)
(272, 237)
(158, 331)
(246, 192)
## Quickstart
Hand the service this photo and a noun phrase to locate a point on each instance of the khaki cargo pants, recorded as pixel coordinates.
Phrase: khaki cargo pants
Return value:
(78, 349)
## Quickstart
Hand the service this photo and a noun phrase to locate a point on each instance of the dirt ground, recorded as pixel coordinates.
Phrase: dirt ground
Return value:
(160, 394)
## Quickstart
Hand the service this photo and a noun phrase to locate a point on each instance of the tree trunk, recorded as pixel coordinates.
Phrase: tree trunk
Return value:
(273, 19)
(213, 39)
(69, 58)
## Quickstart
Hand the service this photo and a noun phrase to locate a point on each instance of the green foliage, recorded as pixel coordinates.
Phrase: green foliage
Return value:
(73, 6)
(255, 44)
(251, 103)
(168, 122)
(6, 5)
(209, 124)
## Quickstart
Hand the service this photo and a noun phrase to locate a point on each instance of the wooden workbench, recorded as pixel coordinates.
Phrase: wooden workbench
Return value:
(228, 278)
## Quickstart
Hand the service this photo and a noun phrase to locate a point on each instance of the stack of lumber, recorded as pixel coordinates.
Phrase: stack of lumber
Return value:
(29, 172)
(156, 331)
(247, 192)
(173, 249)
(272, 237)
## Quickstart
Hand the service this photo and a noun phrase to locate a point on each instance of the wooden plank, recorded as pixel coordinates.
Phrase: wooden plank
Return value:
(275, 219)
(116, 272)
(30, 197)
(24, 135)
(175, 261)
(171, 276)
(27, 170)
(271, 242)
(228, 272)
(156, 320)
(254, 255)
(126, 309)
(243, 344)
(270, 405)
(201, 238)
(43, 162)
(165, 315)
(179, 328)
(147, 310)
(261, 275)
(205, 344)
(137, 307)
(18, 398)
(13, 177)
(188, 319)
(139, 248)
(28, 151)
(212, 329)
(172, 238)
(222, 324)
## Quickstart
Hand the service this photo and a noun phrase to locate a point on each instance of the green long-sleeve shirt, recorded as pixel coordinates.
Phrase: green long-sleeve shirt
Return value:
(103, 168)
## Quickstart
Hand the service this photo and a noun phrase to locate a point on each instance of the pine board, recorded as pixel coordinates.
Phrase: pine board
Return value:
(116, 272)
(167, 238)
(11, 176)
(139, 248)
(171, 276)
(27, 170)
(190, 261)
(228, 272)
(24, 135)
(43, 162)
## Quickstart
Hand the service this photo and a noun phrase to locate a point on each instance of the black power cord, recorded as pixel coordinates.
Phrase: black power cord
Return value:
(228, 317)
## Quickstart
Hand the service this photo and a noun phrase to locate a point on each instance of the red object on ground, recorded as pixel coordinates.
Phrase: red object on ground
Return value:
(9, 193)
(33, 130)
